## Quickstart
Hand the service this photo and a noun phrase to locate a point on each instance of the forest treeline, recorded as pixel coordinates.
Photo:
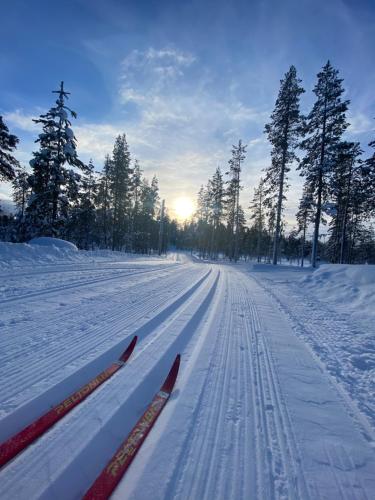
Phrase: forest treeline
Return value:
(338, 191)
(119, 208)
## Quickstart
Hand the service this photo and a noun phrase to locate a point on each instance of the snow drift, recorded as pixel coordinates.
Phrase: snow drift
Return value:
(348, 287)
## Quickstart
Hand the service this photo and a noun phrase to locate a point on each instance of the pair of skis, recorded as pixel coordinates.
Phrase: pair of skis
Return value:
(121, 460)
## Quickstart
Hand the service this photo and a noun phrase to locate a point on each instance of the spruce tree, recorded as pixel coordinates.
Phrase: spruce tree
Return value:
(322, 131)
(51, 180)
(85, 212)
(21, 191)
(8, 143)
(120, 184)
(103, 201)
(282, 132)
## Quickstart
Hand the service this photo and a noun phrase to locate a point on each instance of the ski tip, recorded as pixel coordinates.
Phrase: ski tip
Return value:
(128, 351)
(172, 375)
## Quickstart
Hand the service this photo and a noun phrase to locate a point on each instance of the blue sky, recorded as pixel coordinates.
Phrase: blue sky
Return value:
(183, 79)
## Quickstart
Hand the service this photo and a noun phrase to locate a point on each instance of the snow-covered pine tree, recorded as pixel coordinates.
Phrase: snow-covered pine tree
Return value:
(304, 217)
(370, 172)
(8, 143)
(282, 132)
(84, 214)
(49, 202)
(322, 131)
(233, 198)
(120, 182)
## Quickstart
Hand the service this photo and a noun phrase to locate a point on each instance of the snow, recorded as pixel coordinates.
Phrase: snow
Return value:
(348, 288)
(274, 398)
(54, 242)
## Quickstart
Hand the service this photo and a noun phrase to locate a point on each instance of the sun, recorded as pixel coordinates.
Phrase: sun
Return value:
(184, 208)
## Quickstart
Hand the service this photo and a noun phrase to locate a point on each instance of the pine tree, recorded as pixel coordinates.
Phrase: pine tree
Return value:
(370, 172)
(120, 183)
(233, 198)
(216, 197)
(203, 217)
(85, 212)
(136, 190)
(21, 191)
(346, 169)
(258, 215)
(282, 133)
(8, 143)
(304, 217)
(322, 131)
(103, 202)
(51, 181)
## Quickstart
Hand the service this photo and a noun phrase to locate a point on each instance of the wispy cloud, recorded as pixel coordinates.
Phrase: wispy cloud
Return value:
(22, 120)
(176, 123)
(360, 123)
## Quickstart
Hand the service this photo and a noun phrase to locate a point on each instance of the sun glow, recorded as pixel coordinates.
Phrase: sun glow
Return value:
(184, 208)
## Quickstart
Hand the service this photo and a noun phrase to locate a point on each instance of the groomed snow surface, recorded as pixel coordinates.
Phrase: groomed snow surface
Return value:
(275, 398)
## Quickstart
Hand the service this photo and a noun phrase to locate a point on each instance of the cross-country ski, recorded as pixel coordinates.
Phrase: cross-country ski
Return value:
(10, 448)
(117, 466)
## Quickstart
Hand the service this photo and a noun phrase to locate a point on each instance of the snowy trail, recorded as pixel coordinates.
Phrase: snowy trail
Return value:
(255, 412)
(255, 417)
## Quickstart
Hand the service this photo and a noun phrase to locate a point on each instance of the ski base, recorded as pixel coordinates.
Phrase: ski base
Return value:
(111, 475)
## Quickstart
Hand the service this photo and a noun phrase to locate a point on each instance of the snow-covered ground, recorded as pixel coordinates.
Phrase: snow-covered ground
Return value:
(275, 395)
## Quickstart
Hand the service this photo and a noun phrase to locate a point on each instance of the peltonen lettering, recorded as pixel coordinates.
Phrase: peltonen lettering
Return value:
(130, 446)
(74, 398)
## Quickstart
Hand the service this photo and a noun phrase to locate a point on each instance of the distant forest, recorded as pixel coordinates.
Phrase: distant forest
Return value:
(118, 208)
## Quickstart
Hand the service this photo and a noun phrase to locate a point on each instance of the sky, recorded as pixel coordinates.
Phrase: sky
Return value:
(184, 80)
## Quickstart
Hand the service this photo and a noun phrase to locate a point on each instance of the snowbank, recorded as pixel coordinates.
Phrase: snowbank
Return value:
(54, 242)
(53, 251)
(43, 252)
(349, 287)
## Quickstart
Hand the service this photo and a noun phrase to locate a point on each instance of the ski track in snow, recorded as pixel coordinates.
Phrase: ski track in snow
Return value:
(256, 412)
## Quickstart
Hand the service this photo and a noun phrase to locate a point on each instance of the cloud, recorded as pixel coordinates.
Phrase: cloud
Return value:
(360, 123)
(21, 120)
(178, 123)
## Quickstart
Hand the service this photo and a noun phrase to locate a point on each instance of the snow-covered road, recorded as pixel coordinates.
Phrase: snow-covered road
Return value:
(265, 406)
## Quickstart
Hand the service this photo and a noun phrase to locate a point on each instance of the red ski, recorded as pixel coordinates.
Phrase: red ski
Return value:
(10, 448)
(111, 475)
